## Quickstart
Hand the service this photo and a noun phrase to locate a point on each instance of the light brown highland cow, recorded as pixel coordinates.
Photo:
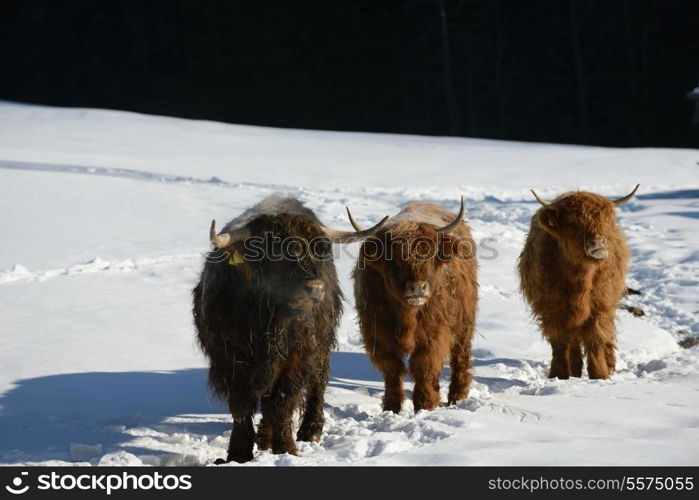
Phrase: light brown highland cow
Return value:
(572, 272)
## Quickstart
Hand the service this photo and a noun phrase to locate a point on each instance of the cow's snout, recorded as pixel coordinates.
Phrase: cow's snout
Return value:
(315, 289)
(307, 296)
(596, 247)
(417, 293)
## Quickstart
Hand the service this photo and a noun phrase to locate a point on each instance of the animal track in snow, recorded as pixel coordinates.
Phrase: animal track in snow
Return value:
(20, 273)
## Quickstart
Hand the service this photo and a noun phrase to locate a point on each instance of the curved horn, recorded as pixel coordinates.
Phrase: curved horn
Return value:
(352, 236)
(456, 222)
(356, 226)
(224, 240)
(626, 198)
(543, 203)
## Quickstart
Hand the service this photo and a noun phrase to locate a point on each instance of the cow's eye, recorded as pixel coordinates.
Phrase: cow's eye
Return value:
(294, 250)
(321, 249)
(372, 249)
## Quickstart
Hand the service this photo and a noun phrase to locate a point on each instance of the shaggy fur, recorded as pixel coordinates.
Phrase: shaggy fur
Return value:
(572, 295)
(442, 328)
(264, 337)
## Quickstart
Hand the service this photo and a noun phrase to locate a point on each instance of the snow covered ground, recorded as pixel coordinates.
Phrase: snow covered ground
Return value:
(104, 217)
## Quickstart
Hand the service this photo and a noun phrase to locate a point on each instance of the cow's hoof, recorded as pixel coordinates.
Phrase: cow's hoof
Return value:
(219, 461)
(392, 405)
(289, 448)
(426, 408)
(240, 457)
(455, 397)
(263, 441)
(310, 433)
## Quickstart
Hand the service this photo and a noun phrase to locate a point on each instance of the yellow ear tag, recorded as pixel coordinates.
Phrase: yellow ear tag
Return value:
(236, 259)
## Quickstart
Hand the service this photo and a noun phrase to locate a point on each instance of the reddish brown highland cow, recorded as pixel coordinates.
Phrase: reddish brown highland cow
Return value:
(572, 272)
(415, 287)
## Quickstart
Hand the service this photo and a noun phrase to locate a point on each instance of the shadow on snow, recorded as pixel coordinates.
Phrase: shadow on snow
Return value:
(41, 417)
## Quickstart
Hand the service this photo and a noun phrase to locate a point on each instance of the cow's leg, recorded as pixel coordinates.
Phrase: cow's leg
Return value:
(610, 356)
(601, 359)
(312, 424)
(263, 439)
(596, 362)
(460, 364)
(241, 403)
(283, 400)
(599, 346)
(425, 365)
(391, 366)
(559, 359)
(575, 358)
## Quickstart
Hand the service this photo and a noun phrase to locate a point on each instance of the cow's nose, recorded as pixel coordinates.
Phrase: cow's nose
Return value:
(419, 288)
(316, 289)
(597, 243)
(596, 247)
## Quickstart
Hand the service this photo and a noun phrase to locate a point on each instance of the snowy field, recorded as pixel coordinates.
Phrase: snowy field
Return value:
(104, 218)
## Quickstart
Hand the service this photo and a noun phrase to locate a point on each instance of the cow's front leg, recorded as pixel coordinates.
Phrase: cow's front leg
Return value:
(242, 406)
(460, 364)
(425, 365)
(390, 363)
(559, 359)
(598, 338)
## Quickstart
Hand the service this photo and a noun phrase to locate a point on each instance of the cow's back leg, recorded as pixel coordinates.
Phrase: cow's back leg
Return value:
(313, 420)
(263, 438)
(460, 364)
(283, 400)
(596, 362)
(575, 358)
(601, 359)
(610, 356)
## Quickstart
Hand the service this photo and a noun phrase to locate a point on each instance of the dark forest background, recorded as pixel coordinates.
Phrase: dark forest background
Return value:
(605, 72)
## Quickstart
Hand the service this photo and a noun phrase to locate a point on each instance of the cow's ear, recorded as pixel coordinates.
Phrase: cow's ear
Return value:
(548, 220)
(236, 253)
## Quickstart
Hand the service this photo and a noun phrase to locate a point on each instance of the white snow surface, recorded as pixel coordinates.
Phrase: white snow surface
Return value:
(104, 221)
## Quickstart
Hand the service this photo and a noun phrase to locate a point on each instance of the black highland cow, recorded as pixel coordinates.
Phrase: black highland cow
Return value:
(266, 309)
